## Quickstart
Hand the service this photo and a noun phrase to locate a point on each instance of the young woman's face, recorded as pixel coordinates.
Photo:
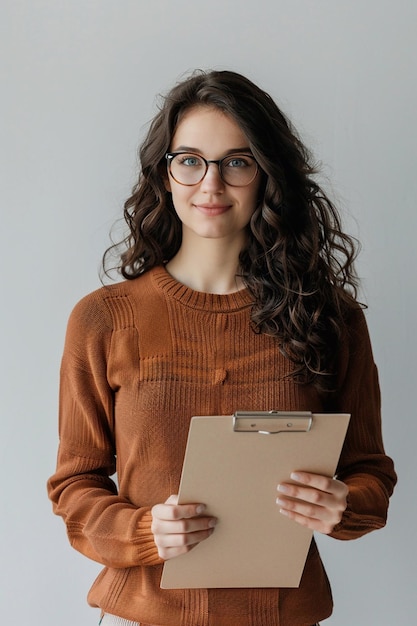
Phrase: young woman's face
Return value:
(212, 208)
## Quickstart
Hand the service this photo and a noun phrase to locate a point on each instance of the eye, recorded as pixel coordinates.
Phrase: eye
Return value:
(238, 161)
(189, 160)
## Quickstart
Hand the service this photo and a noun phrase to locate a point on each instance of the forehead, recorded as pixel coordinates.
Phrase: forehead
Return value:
(207, 128)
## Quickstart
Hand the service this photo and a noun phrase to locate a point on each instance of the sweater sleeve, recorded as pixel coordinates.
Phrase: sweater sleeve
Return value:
(101, 524)
(363, 466)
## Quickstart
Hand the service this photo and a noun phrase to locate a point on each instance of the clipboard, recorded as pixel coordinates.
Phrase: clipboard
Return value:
(233, 464)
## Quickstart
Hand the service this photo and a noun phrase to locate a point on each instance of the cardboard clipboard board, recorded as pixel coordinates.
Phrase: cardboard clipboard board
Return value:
(233, 464)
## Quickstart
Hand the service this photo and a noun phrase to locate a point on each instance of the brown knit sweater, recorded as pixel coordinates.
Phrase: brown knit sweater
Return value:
(143, 356)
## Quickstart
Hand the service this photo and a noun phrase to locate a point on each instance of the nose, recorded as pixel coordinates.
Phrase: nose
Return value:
(212, 181)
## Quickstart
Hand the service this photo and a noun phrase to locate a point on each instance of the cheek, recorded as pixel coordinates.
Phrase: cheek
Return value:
(253, 192)
(251, 199)
(180, 197)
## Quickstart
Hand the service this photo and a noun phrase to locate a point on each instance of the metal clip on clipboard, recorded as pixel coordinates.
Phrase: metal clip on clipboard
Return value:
(272, 422)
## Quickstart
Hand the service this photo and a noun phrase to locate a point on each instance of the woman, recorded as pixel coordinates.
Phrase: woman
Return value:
(239, 293)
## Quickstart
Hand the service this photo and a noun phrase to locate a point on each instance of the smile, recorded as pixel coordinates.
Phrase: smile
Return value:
(212, 209)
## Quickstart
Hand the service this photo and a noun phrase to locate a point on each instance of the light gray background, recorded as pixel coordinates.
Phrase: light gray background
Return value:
(78, 85)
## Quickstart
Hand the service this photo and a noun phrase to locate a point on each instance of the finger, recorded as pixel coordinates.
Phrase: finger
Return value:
(315, 501)
(309, 510)
(182, 540)
(176, 511)
(324, 527)
(315, 498)
(322, 516)
(182, 526)
(323, 483)
(169, 552)
(172, 545)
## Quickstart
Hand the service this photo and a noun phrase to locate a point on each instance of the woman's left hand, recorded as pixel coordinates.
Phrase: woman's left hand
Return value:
(315, 501)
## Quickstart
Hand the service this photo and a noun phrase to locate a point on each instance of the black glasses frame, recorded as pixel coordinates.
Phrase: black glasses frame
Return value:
(171, 155)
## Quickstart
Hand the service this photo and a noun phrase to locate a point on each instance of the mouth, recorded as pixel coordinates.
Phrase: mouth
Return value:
(212, 209)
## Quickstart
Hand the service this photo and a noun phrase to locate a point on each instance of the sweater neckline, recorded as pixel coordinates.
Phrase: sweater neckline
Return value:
(173, 289)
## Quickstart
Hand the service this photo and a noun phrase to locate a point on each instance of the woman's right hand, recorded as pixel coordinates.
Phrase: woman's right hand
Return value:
(177, 528)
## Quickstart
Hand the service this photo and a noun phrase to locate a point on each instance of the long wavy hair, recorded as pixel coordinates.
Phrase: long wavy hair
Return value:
(298, 263)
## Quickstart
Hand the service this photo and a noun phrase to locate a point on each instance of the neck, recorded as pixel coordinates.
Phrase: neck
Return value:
(213, 270)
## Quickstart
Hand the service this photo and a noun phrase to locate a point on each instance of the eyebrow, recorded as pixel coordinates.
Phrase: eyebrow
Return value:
(197, 151)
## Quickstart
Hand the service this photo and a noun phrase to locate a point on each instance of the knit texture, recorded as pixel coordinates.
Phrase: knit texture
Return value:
(141, 358)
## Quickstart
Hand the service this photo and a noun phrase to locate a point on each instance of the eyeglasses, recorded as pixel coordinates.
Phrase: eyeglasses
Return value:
(236, 170)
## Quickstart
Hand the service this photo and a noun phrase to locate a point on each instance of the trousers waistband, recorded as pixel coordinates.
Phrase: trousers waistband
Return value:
(113, 620)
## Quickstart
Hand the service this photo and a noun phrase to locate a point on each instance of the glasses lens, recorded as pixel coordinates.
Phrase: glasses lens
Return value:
(188, 169)
(239, 170)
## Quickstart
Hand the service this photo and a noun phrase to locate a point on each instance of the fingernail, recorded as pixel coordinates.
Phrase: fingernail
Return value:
(295, 476)
(212, 523)
(200, 509)
(283, 488)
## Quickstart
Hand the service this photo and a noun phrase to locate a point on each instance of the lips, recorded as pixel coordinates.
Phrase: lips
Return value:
(212, 209)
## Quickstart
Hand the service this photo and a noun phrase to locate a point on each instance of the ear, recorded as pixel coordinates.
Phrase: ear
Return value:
(167, 182)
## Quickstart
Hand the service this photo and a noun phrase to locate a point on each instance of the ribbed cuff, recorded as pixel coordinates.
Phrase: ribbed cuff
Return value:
(145, 541)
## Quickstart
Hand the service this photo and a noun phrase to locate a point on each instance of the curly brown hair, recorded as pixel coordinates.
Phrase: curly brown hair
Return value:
(298, 264)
